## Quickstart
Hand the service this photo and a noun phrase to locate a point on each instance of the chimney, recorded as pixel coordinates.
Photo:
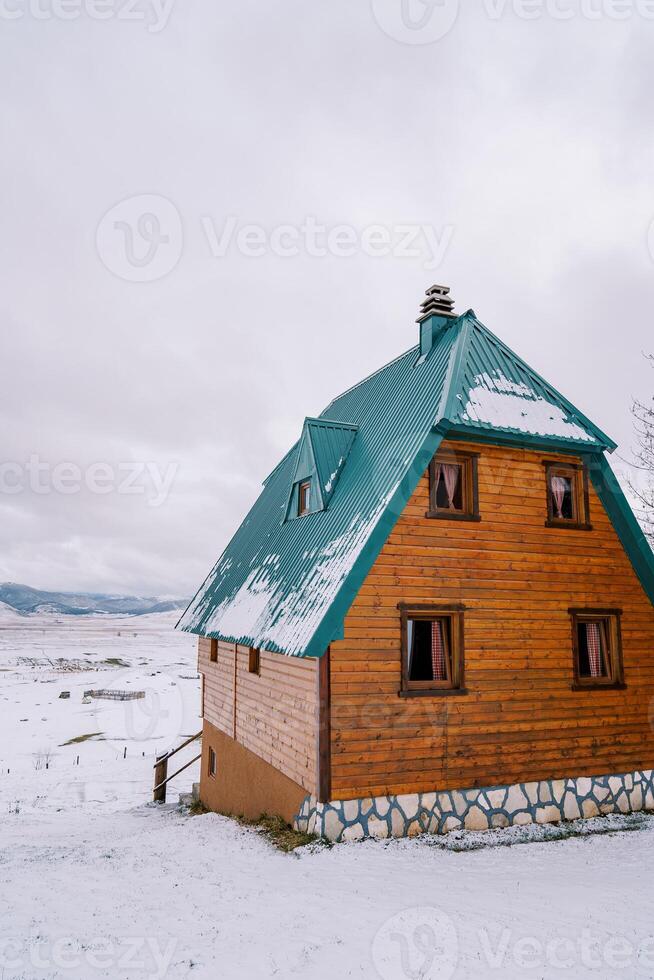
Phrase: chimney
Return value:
(436, 311)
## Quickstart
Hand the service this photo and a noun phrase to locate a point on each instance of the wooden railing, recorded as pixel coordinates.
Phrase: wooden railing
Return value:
(161, 777)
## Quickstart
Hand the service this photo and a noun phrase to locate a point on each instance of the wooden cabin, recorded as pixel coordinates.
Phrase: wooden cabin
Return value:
(438, 614)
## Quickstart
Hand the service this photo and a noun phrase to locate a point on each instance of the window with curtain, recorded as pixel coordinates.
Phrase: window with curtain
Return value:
(453, 489)
(597, 648)
(432, 649)
(448, 478)
(567, 496)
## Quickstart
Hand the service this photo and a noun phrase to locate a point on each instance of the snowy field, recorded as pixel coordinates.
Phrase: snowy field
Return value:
(58, 752)
(95, 881)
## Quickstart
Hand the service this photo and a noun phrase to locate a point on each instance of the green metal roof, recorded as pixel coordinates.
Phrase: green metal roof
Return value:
(286, 584)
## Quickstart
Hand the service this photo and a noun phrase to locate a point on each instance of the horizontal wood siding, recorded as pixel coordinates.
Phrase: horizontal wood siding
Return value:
(517, 579)
(276, 710)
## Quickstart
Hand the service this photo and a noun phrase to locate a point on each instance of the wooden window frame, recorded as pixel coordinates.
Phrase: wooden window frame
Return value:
(470, 490)
(429, 612)
(212, 764)
(254, 660)
(213, 651)
(614, 634)
(302, 485)
(581, 495)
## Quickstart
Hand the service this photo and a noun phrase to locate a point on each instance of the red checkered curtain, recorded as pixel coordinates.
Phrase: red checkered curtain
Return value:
(439, 666)
(594, 642)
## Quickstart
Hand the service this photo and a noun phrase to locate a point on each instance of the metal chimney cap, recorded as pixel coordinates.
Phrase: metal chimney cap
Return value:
(437, 303)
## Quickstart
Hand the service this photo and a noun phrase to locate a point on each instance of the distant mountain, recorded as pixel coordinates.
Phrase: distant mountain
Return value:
(8, 612)
(24, 599)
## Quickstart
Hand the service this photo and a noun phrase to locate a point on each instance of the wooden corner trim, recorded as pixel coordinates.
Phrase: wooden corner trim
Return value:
(324, 752)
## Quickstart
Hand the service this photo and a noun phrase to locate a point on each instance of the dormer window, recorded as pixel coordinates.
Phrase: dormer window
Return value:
(453, 486)
(303, 498)
(567, 496)
(320, 456)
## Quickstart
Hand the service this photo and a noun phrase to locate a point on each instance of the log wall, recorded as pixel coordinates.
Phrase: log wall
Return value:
(274, 713)
(520, 719)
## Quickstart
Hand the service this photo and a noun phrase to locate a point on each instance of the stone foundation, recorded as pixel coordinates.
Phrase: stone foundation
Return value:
(547, 801)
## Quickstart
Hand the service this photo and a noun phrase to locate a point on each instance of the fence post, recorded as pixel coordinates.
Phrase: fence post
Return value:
(160, 774)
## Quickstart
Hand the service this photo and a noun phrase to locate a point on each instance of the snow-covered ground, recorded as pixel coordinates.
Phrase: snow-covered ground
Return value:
(57, 752)
(97, 882)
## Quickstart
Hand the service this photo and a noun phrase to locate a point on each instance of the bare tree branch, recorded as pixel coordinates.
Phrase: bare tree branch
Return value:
(643, 461)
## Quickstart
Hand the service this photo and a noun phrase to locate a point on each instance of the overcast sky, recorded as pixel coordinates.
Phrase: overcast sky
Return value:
(143, 322)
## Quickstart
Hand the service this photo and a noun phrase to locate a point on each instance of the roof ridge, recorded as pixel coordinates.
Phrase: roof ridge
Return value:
(370, 376)
(455, 368)
(322, 419)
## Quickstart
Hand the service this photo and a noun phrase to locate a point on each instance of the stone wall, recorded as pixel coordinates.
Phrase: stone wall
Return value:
(548, 801)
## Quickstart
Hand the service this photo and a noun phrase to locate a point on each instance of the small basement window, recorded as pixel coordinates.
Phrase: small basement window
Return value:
(211, 762)
(254, 661)
(597, 646)
(567, 496)
(432, 650)
(303, 498)
(453, 486)
(213, 651)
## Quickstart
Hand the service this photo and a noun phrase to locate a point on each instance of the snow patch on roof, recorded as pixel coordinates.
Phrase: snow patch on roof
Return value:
(507, 404)
(286, 619)
(242, 613)
(332, 478)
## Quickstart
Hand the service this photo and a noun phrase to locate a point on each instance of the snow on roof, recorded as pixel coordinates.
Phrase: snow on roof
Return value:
(505, 404)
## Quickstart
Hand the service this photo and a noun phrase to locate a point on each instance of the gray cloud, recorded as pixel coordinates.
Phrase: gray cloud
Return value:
(530, 139)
